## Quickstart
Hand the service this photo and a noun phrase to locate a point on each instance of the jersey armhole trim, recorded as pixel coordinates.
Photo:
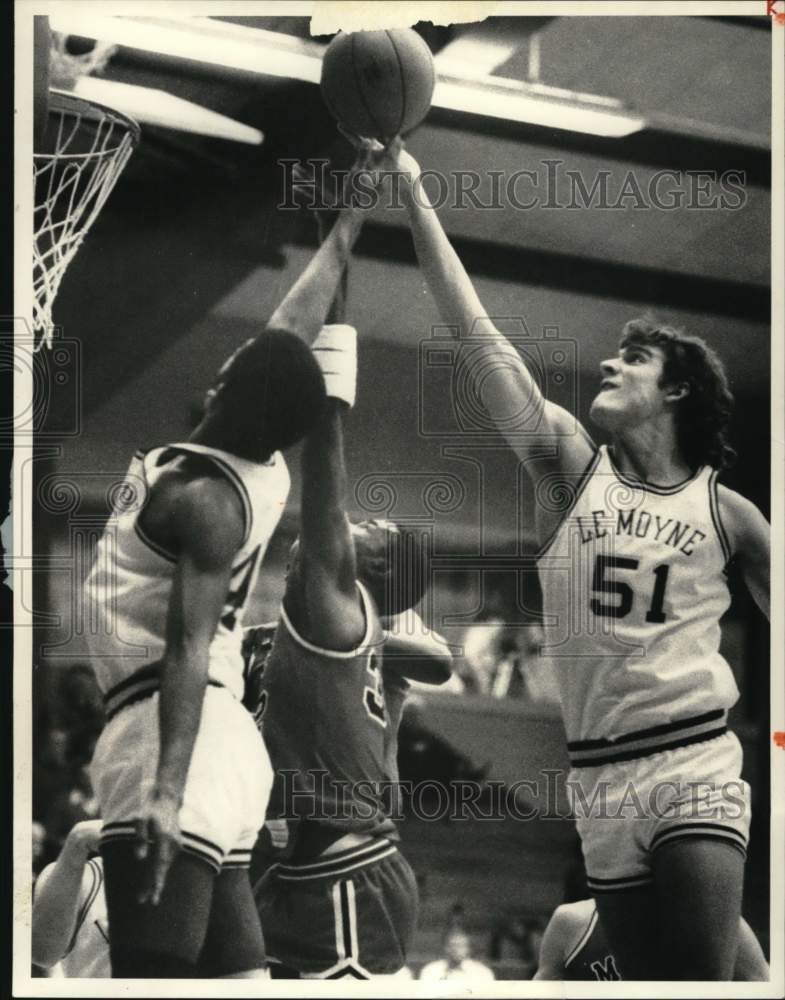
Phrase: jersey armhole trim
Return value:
(141, 534)
(95, 888)
(239, 486)
(719, 527)
(582, 480)
(335, 654)
(583, 939)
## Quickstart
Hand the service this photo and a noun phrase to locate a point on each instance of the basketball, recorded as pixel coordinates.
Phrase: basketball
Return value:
(378, 84)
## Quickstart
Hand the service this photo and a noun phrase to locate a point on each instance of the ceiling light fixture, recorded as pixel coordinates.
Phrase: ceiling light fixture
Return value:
(149, 106)
(271, 53)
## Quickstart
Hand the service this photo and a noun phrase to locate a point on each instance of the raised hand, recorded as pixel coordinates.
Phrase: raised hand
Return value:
(375, 156)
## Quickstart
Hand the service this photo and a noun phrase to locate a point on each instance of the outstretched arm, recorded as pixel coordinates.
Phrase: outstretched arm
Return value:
(321, 285)
(321, 592)
(304, 309)
(546, 433)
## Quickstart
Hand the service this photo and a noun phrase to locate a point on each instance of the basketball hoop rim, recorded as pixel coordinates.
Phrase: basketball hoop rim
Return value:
(65, 101)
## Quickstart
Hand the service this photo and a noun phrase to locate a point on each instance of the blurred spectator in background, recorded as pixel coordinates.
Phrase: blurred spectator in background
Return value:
(484, 646)
(456, 918)
(80, 706)
(39, 847)
(516, 938)
(506, 661)
(63, 743)
(457, 964)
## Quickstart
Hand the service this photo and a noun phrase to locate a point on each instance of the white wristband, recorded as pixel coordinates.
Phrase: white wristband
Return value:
(335, 350)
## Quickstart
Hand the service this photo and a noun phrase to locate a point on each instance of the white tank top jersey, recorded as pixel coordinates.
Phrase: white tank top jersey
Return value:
(634, 584)
(88, 952)
(128, 588)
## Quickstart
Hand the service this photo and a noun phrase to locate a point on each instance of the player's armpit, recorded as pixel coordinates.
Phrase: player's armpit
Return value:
(324, 612)
(560, 443)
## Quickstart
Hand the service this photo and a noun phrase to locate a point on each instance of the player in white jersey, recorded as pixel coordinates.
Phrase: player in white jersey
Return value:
(70, 927)
(632, 573)
(171, 579)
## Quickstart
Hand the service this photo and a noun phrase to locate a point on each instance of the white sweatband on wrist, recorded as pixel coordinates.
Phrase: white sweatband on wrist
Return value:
(335, 350)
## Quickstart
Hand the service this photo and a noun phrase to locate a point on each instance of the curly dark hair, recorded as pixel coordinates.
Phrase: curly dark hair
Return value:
(269, 395)
(704, 415)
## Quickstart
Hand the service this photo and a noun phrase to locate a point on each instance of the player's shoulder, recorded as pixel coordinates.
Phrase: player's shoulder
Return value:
(209, 505)
(732, 502)
(569, 924)
(739, 516)
(92, 878)
(574, 916)
(42, 878)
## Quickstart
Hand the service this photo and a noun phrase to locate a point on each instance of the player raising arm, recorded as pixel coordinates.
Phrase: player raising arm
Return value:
(545, 436)
(633, 575)
(344, 902)
(180, 771)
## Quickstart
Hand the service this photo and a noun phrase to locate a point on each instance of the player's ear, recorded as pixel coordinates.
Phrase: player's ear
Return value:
(677, 392)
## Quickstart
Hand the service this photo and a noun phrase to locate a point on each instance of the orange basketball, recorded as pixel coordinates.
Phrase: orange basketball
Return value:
(378, 84)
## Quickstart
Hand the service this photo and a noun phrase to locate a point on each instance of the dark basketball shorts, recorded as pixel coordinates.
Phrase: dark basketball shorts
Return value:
(349, 914)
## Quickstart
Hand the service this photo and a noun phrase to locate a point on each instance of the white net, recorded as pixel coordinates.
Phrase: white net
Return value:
(85, 150)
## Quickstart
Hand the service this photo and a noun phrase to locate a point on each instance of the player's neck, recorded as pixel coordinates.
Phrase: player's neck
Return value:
(211, 434)
(651, 453)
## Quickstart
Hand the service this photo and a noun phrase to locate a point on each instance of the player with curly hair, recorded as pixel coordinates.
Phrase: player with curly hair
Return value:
(632, 564)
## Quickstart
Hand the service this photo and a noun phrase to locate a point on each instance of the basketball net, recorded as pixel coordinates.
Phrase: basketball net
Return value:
(86, 148)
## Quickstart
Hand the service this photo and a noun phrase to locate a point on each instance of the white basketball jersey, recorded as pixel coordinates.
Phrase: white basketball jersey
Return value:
(88, 953)
(634, 585)
(127, 591)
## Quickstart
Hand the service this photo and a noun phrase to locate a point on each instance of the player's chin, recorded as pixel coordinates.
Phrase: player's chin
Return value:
(604, 414)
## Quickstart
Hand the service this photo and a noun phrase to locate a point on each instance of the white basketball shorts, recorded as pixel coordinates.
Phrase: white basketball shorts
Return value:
(228, 784)
(625, 811)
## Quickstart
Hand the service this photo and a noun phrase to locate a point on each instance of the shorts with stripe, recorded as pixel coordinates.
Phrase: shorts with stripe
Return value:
(626, 809)
(349, 914)
(228, 784)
